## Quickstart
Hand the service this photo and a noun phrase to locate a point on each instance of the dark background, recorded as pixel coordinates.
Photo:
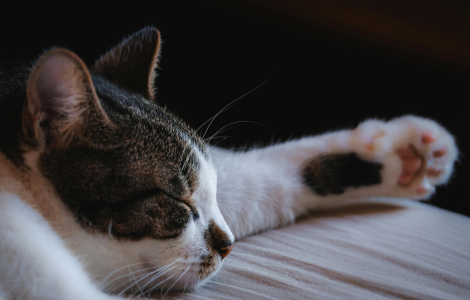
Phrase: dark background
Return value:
(322, 68)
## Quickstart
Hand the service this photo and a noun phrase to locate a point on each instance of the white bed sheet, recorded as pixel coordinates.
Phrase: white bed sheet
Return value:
(389, 249)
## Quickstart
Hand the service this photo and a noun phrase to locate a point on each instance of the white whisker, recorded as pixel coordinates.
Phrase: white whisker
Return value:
(184, 288)
(226, 106)
(150, 291)
(207, 140)
(133, 277)
(117, 270)
(162, 269)
(187, 160)
(128, 275)
(176, 281)
(125, 275)
(219, 141)
(121, 291)
(223, 137)
(148, 281)
(110, 227)
(155, 277)
(158, 275)
(138, 271)
(232, 124)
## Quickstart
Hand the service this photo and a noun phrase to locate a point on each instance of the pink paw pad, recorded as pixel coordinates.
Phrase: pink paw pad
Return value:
(433, 172)
(428, 138)
(411, 164)
(370, 146)
(439, 153)
(421, 190)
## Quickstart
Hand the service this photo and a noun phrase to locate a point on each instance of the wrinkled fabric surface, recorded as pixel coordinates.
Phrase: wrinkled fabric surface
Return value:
(389, 249)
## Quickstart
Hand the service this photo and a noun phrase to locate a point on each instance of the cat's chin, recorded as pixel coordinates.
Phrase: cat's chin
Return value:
(181, 278)
(194, 280)
(186, 277)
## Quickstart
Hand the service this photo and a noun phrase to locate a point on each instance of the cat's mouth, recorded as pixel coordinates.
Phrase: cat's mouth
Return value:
(210, 264)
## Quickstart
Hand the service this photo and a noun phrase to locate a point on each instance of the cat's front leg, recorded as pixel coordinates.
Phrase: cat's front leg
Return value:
(405, 157)
(265, 188)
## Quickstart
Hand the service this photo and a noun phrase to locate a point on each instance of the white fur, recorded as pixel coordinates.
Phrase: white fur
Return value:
(262, 188)
(94, 260)
(45, 254)
(34, 262)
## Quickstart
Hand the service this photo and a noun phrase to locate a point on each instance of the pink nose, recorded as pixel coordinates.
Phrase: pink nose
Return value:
(225, 251)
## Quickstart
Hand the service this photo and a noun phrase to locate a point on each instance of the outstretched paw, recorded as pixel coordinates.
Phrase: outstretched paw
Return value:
(417, 153)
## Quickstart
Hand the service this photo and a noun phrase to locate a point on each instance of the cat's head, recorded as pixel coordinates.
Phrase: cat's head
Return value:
(138, 183)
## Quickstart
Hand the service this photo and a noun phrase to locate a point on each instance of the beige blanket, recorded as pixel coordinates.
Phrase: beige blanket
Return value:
(383, 250)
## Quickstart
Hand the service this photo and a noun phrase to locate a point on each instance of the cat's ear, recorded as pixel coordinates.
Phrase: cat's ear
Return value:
(61, 99)
(132, 63)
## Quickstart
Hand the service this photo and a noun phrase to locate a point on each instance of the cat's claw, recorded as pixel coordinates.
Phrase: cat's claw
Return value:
(417, 153)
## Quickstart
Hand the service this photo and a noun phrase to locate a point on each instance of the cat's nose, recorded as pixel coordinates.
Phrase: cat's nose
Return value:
(224, 251)
(218, 240)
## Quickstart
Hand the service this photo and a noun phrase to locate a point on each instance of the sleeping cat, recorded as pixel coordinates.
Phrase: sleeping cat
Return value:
(105, 194)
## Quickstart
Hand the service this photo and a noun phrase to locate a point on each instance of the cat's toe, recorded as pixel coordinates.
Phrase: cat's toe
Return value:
(411, 164)
(427, 153)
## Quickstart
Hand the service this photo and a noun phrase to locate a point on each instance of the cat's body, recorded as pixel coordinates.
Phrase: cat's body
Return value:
(103, 191)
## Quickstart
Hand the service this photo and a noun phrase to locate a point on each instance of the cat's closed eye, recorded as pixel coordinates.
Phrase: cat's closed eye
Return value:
(186, 203)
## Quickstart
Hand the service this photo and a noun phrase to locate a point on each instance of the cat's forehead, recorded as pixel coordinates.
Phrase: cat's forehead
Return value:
(144, 121)
(153, 140)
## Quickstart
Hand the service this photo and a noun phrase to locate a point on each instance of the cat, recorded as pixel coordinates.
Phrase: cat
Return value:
(97, 181)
